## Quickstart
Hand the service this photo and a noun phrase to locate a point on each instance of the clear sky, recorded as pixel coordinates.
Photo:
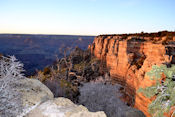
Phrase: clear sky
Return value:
(86, 17)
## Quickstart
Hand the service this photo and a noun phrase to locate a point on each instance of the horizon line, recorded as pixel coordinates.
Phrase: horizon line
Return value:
(45, 34)
(86, 34)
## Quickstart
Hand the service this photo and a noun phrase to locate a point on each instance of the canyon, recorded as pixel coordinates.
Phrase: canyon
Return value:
(129, 57)
(122, 60)
(37, 51)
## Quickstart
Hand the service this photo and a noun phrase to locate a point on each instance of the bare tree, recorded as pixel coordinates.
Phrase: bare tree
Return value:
(66, 59)
(10, 99)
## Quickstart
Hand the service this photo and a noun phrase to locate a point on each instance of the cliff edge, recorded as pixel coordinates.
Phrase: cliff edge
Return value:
(129, 57)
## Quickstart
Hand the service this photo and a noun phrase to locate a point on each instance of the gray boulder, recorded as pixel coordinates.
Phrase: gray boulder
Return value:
(62, 107)
(33, 92)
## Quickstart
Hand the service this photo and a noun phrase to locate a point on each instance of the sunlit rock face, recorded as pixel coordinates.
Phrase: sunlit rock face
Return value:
(129, 58)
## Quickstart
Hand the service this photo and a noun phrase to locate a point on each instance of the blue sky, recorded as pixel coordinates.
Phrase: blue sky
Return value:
(86, 17)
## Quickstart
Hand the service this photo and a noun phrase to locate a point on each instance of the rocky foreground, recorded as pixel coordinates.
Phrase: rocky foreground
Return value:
(62, 107)
(39, 102)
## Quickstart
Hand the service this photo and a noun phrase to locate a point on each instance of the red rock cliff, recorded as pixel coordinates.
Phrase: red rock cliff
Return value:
(129, 58)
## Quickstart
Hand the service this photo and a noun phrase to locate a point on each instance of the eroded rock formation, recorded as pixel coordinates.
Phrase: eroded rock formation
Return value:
(128, 58)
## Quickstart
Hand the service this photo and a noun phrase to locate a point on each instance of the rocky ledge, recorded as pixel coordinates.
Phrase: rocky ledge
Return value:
(38, 101)
(62, 107)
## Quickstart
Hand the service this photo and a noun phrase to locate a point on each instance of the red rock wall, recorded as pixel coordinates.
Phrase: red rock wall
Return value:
(129, 59)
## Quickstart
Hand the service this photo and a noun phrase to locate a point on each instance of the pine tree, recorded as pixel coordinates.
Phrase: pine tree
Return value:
(164, 90)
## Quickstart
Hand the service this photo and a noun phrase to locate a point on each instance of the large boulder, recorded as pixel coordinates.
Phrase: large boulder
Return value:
(62, 107)
(33, 92)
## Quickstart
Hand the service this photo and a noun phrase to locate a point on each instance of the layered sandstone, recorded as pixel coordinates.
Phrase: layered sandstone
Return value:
(128, 58)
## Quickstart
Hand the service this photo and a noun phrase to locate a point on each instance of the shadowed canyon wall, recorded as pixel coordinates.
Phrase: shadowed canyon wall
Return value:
(128, 58)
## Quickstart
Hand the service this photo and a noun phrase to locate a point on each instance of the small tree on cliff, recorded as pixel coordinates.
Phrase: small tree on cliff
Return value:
(164, 90)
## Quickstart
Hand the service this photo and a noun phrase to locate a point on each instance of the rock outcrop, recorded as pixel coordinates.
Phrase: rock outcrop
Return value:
(33, 92)
(38, 101)
(128, 58)
(62, 107)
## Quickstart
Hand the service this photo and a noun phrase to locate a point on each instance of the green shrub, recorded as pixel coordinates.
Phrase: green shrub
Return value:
(163, 90)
